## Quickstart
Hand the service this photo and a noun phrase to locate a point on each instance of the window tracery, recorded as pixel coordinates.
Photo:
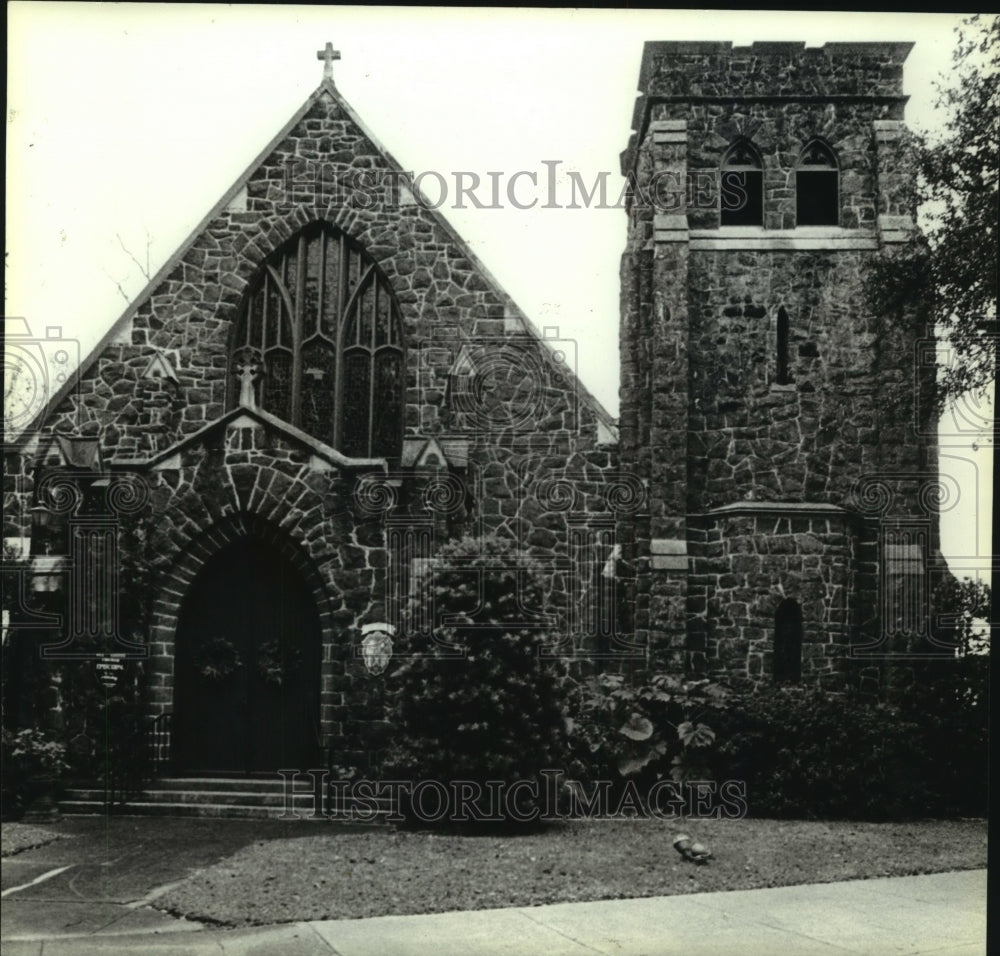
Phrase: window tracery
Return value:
(324, 327)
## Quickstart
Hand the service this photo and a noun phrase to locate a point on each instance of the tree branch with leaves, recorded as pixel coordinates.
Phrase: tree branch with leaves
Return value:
(951, 276)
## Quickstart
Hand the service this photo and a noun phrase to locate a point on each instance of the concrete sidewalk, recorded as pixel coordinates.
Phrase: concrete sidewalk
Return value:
(943, 914)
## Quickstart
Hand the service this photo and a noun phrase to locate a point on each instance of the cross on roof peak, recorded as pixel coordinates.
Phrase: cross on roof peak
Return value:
(328, 54)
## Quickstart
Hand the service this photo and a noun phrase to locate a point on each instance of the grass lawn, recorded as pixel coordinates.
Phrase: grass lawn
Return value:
(330, 874)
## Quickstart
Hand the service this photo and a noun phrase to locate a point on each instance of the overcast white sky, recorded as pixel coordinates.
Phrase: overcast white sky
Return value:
(128, 119)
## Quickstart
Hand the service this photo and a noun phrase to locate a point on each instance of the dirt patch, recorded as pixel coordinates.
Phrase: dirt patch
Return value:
(380, 872)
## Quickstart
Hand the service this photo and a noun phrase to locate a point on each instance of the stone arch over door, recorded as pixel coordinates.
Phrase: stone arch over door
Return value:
(262, 549)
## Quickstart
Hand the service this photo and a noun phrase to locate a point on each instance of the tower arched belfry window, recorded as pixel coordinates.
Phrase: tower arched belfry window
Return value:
(817, 186)
(321, 328)
(742, 186)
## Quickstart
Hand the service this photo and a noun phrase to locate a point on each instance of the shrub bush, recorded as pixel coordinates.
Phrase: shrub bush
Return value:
(476, 700)
(948, 701)
(811, 754)
(641, 733)
(30, 758)
(101, 730)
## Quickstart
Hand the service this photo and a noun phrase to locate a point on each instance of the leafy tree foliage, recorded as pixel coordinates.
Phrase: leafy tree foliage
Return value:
(476, 699)
(101, 728)
(960, 190)
(965, 602)
(951, 278)
(953, 274)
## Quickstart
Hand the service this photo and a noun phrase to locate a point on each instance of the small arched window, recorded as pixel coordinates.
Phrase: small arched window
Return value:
(742, 186)
(321, 330)
(788, 643)
(817, 186)
(782, 365)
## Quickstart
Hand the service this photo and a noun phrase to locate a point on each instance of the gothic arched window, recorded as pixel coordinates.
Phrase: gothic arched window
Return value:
(788, 643)
(817, 186)
(373, 373)
(322, 326)
(742, 186)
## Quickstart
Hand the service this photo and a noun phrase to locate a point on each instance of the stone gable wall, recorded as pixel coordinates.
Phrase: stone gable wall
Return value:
(532, 468)
(445, 301)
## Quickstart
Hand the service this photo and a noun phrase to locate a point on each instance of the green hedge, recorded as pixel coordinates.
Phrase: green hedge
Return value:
(478, 700)
(813, 755)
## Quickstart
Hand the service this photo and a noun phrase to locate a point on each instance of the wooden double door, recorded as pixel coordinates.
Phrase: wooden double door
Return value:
(247, 668)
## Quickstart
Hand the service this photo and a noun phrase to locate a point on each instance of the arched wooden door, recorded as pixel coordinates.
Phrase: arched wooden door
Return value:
(247, 666)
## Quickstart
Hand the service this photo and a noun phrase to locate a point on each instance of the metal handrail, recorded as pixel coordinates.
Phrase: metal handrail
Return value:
(125, 777)
(159, 741)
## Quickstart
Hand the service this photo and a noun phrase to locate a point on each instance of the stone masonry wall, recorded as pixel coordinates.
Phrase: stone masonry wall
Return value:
(853, 410)
(531, 466)
(810, 440)
(445, 300)
(746, 566)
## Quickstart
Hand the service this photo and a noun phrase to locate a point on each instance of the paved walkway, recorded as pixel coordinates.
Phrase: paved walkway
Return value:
(942, 914)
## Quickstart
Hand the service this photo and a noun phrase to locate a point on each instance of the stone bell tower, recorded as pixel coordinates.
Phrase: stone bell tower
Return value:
(779, 425)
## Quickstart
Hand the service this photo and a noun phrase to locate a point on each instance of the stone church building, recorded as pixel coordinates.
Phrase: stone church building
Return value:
(323, 385)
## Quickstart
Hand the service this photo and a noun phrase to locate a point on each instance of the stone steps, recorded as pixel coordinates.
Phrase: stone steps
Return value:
(233, 797)
(139, 808)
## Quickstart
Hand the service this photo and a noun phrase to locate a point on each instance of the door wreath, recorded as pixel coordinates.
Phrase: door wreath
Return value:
(272, 667)
(218, 659)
